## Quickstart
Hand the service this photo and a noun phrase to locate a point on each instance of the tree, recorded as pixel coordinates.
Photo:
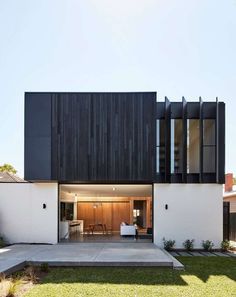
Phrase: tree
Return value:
(8, 168)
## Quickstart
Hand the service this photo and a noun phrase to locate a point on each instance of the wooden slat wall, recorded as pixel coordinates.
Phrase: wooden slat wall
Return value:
(103, 137)
(109, 213)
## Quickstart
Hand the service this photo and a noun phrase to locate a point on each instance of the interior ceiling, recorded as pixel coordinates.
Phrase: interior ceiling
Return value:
(108, 190)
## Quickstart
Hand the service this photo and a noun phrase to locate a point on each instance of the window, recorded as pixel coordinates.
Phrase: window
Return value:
(176, 146)
(160, 146)
(209, 146)
(67, 211)
(193, 152)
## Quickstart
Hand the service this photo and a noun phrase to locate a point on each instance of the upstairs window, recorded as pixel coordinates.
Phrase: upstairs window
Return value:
(160, 146)
(193, 143)
(209, 146)
(176, 146)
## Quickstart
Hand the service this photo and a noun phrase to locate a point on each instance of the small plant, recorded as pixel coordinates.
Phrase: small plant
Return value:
(30, 273)
(188, 244)
(168, 244)
(207, 245)
(225, 245)
(12, 288)
(44, 267)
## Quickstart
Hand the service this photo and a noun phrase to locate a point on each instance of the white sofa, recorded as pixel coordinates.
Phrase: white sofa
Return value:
(127, 230)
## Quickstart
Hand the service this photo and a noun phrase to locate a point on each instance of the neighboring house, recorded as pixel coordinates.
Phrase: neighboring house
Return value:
(97, 162)
(6, 177)
(230, 197)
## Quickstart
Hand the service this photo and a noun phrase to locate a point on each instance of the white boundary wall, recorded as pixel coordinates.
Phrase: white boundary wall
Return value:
(195, 211)
(22, 217)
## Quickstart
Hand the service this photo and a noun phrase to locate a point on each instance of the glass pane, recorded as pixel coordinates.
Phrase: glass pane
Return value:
(176, 146)
(193, 153)
(209, 132)
(158, 159)
(67, 211)
(160, 149)
(209, 159)
(158, 132)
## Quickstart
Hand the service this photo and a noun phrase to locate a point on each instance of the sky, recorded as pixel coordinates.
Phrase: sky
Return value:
(176, 48)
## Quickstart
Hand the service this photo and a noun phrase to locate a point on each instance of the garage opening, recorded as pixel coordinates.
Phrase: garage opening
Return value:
(105, 213)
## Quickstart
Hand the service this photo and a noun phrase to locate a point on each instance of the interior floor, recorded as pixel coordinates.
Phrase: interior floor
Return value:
(77, 237)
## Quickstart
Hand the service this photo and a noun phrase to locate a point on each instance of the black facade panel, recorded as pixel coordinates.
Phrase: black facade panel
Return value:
(176, 110)
(103, 137)
(209, 110)
(160, 110)
(193, 111)
(37, 161)
(184, 139)
(37, 115)
(201, 140)
(38, 158)
(111, 137)
(167, 140)
(176, 178)
(221, 143)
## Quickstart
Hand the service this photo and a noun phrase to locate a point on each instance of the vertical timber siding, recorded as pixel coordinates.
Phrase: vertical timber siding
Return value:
(37, 137)
(103, 137)
(111, 137)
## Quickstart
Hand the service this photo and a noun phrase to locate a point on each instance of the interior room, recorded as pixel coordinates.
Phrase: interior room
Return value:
(105, 213)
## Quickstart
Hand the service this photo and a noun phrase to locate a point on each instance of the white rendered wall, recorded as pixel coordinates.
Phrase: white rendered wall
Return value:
(22, 217)
(195, 211)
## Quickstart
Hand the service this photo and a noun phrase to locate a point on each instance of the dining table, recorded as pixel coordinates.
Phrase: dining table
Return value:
(96, 226)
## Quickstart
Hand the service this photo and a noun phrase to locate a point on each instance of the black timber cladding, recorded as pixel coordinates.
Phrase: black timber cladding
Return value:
(37, 153)
(100, 137)
(111, 137)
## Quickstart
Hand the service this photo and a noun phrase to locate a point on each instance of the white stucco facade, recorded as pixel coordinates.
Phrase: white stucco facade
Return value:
(195, 211)
(22, 216)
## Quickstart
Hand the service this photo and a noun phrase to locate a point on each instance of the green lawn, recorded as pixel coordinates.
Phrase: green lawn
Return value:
(213, 276)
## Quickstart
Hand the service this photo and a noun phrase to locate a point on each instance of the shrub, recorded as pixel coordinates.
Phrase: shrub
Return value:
(225, 245)
(30, 273)
(44, 267)
(12, 289)
(168, 244)
(207, 245)
(188, 244)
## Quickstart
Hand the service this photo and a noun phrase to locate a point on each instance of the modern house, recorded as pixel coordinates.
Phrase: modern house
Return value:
(109, 166)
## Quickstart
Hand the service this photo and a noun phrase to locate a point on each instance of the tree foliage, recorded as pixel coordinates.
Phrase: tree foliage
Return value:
(8, 168)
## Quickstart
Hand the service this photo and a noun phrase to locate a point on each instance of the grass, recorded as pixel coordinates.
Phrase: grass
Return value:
(213, 276)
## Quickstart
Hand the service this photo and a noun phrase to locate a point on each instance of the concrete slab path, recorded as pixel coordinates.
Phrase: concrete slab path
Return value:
(203, 254)
(85, 254)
